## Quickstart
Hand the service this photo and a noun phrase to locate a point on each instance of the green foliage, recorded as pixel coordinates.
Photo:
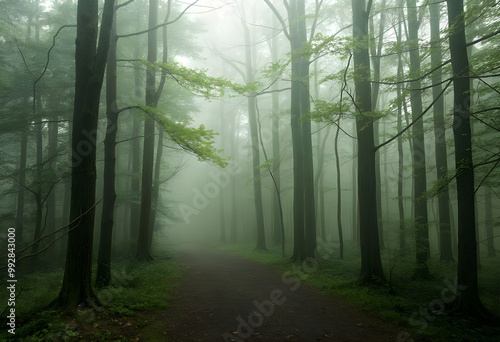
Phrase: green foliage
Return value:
(332, 45)
(148, 289)
(198, 82)
(198, 141)
(329, 111)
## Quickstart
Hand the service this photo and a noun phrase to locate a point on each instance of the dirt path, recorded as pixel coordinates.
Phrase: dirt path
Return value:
(225, 297)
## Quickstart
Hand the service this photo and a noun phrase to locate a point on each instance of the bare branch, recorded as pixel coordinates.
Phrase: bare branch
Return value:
(279, 17)
(414, 121)
(159, 25)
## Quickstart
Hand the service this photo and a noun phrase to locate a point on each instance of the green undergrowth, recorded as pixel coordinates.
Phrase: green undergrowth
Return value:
(137, 292)
(403, 300)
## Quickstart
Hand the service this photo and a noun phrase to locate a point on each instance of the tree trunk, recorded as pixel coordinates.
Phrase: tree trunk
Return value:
(254, 137)
(135, 185)
(20, 188)
(371, 265)
(103, 275)
(376, 50)
(440, 136)
(304, 221)
(156, 185)
(490, 237)
(401, 209)
(419, 174)
(339, 193)
(277, 233)
(468, 302)
(90, 62)
(354, 192)
(143, 250)
(52, 157)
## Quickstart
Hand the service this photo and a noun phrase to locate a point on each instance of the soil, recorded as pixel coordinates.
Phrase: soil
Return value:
(224, 297)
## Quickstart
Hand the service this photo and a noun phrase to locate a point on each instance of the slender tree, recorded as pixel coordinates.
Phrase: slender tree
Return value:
(103, 275)
(254, 137)
(143, 251)
(419, 174)
(440, 135)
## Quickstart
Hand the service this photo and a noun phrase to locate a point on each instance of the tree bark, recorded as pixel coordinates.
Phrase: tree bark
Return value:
(143, 250)
(371, 265)
(254, 137)
(21, 192)
(401, 209)
(468, 302)
(339, 194)
(90, 62)
(135, 184)
(419, 174)
(440, 136)
(490, 236)
(103, 275)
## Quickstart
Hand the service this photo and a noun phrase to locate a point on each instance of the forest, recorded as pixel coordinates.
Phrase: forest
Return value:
(260, 170)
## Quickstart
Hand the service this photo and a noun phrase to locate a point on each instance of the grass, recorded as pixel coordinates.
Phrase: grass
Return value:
(139, 290)
(401, 303)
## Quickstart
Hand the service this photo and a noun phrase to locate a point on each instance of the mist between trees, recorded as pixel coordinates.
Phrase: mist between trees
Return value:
(279, 123)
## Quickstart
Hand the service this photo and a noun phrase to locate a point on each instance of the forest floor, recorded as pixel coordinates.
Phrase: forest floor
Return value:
(228, 292)
(226, 297)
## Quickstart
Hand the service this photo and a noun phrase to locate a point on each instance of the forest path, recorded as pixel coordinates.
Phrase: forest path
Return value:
(223, 293)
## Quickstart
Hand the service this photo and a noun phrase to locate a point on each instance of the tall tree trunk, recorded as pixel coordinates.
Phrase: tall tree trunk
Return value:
(135, 185)
(376, 50)
(143, 250)
(309, 203)
(234, 206)
(90, 62)
(277, 233)
(52, 157)
(371, 265)
(468, 302)
(222, 214)
(103, 275)
(440, 136)
(156, 185)
(320, 181)
(490, 237)
(339, 193)
(304, 221)
(419, 174)
(354, 192)
(20, 188)
(254, 137)
(401, 209)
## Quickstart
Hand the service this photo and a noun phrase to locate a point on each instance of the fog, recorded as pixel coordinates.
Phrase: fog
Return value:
(268, 127)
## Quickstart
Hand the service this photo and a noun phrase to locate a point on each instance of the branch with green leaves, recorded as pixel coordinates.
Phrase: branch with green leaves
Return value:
(199, 83)
(198, 141)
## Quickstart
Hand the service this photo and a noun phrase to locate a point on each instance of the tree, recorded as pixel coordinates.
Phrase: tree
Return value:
(304, 213)
(419, 174)
(143, 250)
(468, 302)
(371, 265)
(90, 63)
(440, 135)
(254, 137)
(103, 275)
